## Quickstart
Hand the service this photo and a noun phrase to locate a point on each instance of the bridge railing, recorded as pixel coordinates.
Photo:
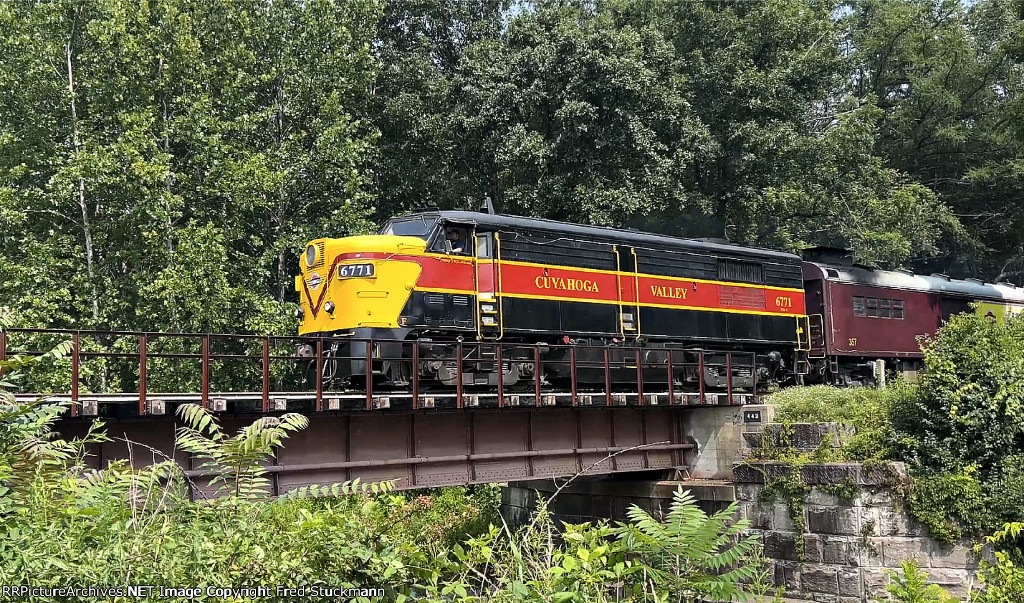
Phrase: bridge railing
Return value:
(275, 373)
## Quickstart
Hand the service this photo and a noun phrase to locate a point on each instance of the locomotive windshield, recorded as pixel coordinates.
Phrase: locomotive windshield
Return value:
(410, 227)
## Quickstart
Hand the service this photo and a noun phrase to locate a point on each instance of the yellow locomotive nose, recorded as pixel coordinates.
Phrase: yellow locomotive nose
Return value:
(355, 282)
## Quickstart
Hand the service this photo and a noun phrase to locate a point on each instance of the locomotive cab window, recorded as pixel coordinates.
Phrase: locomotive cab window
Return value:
(418, 226)
(454, 238)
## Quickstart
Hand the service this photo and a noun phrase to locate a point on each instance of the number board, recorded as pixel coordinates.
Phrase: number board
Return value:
(751, 416)
(355, 270)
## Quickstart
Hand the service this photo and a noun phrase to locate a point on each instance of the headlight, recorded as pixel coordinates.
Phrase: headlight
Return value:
(329, 306)
(310, 256)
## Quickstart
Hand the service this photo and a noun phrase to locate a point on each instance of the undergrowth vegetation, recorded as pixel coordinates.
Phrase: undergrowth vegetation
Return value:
(958, 427)
(866, 410)
(65, 523)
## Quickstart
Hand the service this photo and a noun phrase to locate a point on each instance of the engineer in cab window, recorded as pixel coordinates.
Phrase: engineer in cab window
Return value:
(457, 240)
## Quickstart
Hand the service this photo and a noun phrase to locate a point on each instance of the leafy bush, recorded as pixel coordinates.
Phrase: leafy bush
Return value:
(441, 517)
(967, 409)
(1005, 490)
(689, 557)
(1004, 580)
(949, 504)
(692, 553)
(236, 462)
(913, 587)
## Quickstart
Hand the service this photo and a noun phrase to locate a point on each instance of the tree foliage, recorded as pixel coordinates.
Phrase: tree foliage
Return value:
(168, 157)
(160, 162)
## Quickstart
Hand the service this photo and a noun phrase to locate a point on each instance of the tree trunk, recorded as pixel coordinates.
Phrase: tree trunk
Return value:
(282, 195)
(282, 274)
(167, 154)
(90, 255)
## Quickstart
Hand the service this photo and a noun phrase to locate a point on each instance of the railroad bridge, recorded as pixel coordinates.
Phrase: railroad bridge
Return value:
(422, 437)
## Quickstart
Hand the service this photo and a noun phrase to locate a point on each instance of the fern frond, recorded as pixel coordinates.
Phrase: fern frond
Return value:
(339, 489)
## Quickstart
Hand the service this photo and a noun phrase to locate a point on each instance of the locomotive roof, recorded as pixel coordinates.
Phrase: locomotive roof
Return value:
(613, 235)
(857, 275)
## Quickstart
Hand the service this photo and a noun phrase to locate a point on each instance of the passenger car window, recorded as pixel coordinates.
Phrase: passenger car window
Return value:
(872, 306)
(897, 309)
(885, 308)
(858, 306)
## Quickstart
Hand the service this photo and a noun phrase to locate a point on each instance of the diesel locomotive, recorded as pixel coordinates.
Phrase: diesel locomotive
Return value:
(449, 276)
(439, 278)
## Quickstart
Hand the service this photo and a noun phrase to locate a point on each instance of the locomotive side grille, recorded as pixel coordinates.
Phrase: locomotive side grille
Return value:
(460, 300)
(743, 272)
(783, 276)
(744, 297)
(561, 250)
(435, 298)
(671, 263)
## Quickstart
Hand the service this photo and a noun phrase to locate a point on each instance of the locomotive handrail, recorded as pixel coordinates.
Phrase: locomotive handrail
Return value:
(499, 299)
(636, 290)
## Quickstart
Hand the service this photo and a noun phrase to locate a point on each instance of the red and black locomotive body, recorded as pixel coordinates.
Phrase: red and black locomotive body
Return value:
(482, 277)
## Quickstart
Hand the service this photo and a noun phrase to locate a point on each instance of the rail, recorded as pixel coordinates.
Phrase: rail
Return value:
(103, 364)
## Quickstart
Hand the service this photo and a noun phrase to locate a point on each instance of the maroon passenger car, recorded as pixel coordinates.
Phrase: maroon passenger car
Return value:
(858, 315)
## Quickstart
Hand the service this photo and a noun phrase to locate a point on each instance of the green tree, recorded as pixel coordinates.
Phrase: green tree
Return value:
(579, 115)
(133, 128)
(970, 398)
(424, 155)
(946, 78)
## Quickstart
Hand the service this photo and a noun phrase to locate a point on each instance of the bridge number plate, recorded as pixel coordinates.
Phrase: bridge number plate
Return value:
(355, 270)
(751, 416)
